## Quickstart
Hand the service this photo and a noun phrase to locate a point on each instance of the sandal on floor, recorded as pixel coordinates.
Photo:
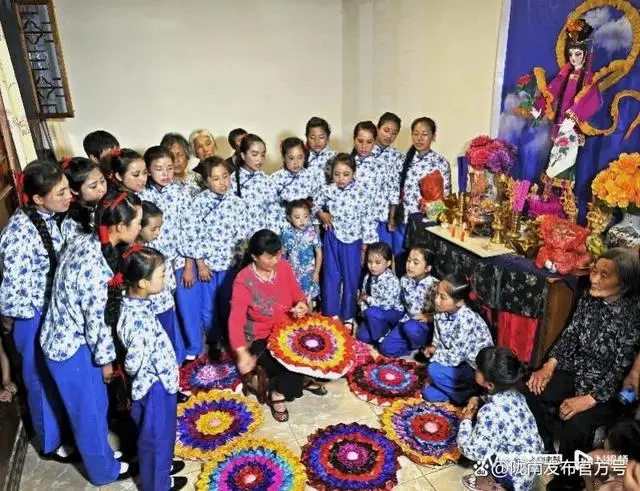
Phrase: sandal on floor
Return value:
(470, 482)
(315, 388)
(279, 416)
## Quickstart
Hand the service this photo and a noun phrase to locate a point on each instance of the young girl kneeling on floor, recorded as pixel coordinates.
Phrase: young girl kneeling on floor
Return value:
(150, 361)
(459, 334)
(505, 429)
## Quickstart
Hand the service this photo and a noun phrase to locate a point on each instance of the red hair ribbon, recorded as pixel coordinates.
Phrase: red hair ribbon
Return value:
(65, 163)
(23, 198)
(132, 250)
(103, 234)
(116, 152)
(116, 281)
(115, 201)
(473, 296)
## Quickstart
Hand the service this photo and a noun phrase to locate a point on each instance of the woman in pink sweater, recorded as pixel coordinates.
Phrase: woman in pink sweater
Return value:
(266, 292)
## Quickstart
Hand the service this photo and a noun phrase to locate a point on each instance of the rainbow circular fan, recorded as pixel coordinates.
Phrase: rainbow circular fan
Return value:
(351, 456)
(316, 346)
(203, 375)
(426, 432)
(253, 465)
(210, 420)
(384, 380)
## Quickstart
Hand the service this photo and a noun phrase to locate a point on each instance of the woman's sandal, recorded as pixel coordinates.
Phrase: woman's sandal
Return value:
(279, 416)
(470, 482)
(315, 388)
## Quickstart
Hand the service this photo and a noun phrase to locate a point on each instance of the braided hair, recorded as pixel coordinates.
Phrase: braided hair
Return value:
(40, 177)
(246, 143)
(77, 171)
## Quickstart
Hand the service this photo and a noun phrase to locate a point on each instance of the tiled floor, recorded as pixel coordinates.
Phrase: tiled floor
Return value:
(307, 415)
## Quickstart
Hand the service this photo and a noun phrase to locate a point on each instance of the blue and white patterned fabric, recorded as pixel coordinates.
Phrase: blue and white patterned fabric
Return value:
(173, 202)
(76, 312)
(149, 356)
(416, 296)
(506, 429)
(300, 250)
(259, 195)
(374, 176)
(392, 159)
(458, 337)
(163, 301)
(351, 215)
(24, 264)
(321, 161)
(421, 165)
(217, 226)
(383, 291)
(291, 186)
(70, 229)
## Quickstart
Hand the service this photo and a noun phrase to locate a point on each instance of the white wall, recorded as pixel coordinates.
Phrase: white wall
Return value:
(421, 57)
(145, 67)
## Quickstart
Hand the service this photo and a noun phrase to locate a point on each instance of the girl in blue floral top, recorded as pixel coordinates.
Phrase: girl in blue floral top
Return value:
(250, 183)
(318, 132)
(88, 186)
(413, 330)
(459, 334)
(505, 430)
(77, 334)
(151, 363)
(217, 228)
(295, 181)
(163, 303)
(303, 248)
(380, 295)
(29, 248)
(343, 209)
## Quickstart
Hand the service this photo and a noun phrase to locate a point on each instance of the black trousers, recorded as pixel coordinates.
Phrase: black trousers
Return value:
(576, 433)
(281, 380)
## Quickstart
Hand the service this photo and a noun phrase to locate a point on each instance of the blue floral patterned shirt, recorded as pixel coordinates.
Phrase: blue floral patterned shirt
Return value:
(300, 250)
(217, 227)
(506, 429)
(289, 187)
(259, 195)
(150, 357)
(422, 165)
(383, 291)
(374, 175)
(349, 208)
(76, 313)
(70, 229)
(458, 337)
(416, 296)
(322, 161)
(24, 265)
(172, 200)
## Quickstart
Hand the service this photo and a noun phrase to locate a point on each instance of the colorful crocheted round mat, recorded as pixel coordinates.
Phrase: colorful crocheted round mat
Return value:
(316, 346)
(364, 353)
(383, 380)
(209, 420)
(248, 465)
(201, 374)
(426, 432)
(351, 456)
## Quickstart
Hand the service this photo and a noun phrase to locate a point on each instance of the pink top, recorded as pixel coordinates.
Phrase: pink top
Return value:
(256, 306)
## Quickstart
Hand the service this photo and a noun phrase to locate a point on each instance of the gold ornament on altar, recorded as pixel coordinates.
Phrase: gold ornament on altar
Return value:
(597, 221)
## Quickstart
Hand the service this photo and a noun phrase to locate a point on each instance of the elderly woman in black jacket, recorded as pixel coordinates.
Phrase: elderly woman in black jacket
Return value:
(584, 372)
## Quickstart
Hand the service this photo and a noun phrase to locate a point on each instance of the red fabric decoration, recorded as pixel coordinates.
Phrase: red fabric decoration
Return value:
(473, 296)
(116, 281)
(115, 202)
(132, 250)
(564, 244)
(432, 186)
(517, 333)
(103, 234)
(23, 198)
(65, 163)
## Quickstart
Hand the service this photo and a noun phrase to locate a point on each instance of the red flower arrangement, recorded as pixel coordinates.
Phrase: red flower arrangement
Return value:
(494, 155)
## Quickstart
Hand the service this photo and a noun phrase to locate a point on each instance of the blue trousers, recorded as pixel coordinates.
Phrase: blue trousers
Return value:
(406, 337)
(377, 323)
(216, 305)
(392, 239)
(188, 301)
(155, 417)
(450, 383)
(340, 270)
(169, 321)
(85, 398)
(43, 399)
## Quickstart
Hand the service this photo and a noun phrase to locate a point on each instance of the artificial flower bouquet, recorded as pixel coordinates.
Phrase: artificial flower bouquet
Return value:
(618, 186)
(491, 154)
